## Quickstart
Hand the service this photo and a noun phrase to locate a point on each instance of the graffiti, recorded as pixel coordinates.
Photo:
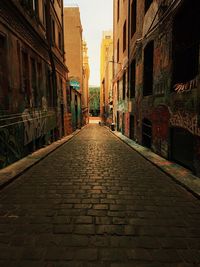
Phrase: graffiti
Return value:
(186, 121)
(186, 87)
(34, 125)
(10, 149)
(122, 106)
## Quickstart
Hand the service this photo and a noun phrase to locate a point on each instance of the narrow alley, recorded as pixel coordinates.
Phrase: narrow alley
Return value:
(96, 202)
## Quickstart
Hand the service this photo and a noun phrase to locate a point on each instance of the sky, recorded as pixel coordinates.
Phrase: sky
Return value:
(96, 17)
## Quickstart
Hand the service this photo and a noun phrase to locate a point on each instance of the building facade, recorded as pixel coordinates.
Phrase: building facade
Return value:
(77, 62)
(162, 103)
(32, 77)
(120, 65)
(106, 75)
(86, 76)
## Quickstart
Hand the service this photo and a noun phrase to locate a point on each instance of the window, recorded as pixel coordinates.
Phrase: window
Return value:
(25, 77)
(147, 5)
(118, 50)
(132, 78)
(61, 90)
(148, 69)
(186, 43)
(118, 7)
(118, 90)
(49, 87)
(124, 85)
(107, 37)
(59, 41)
(53, 31)
(146, 133)
(45, 15)
(35, 7)
(133, 17)
(39, 82)
(59, 2)
(132, 127)
(27, 4)
(3, 74)
(68, 95)
(34, 83)
(124, 36)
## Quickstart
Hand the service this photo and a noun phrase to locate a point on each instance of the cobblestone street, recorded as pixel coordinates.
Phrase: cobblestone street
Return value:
(96, 202)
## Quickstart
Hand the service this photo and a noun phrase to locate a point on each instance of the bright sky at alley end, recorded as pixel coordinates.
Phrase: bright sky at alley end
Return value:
(96, 16)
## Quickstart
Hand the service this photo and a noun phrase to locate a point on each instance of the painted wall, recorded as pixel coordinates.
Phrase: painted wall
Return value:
(73, 43)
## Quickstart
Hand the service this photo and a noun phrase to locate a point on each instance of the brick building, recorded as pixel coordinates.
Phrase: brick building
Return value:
(77, 62)
(157, 91)
(32, 77)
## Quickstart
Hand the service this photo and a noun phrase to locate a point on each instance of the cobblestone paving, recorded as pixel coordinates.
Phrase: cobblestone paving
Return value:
(96, 202)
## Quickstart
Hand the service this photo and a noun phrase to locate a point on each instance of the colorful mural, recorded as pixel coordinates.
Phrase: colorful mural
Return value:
(11, 148)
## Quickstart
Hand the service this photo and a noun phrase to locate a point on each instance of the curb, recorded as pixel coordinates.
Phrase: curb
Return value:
(13, 171)
(177, 173)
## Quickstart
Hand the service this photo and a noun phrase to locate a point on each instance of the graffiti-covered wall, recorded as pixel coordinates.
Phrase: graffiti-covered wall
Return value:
(32, 106)
(163, 91)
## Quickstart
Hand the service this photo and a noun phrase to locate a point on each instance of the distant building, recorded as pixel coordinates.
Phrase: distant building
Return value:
(77, 62)
(156, 80)
(74, 61)
(85, 94)
(106, 76)
(94, 101)
(33, 76)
